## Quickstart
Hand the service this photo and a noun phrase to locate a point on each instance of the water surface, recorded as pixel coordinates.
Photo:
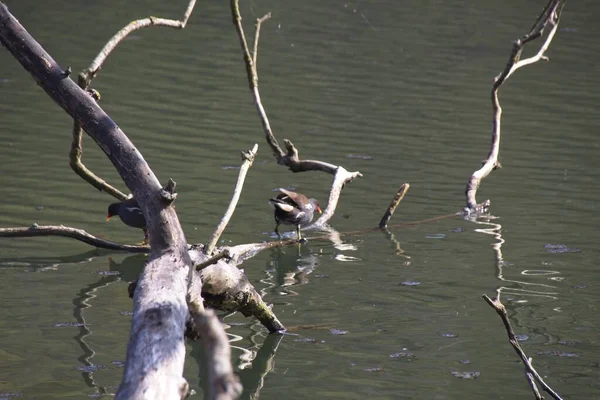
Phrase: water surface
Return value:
(396, 90)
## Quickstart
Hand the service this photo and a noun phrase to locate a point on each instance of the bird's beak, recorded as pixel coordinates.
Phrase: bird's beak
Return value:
(319, 210)
(108, 217)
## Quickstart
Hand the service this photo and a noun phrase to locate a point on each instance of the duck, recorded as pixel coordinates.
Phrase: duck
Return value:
(293, 208)
(130, 213)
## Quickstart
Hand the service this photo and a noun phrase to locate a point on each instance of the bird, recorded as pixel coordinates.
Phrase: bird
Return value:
(130, 213)
(293, 208)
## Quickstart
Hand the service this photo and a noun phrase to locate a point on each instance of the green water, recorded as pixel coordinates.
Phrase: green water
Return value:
(404, 83)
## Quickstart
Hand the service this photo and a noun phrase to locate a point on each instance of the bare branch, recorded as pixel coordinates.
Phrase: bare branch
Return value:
(90, 73)
(497, 305)
(289, 158)
(259, 22)
(550, 16)
(223, 384)
(339, 180)
(36, 230)
(248, 158)
(87, 76)
(156, 350)
(393, 205)
(221, 254)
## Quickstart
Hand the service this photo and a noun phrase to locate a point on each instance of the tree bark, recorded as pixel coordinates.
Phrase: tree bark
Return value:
(156, 350)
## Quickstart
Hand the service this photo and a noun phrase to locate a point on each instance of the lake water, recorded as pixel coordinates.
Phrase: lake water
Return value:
(396, 90)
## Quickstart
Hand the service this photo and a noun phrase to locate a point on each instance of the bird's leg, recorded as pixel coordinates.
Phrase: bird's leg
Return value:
(300, 238)
(277, 229)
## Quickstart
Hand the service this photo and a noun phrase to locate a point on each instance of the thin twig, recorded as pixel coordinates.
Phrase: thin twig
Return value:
(393, 205)
(248, 158)
(87, 76)
(532, 385)
(497, 305)
(259, 22)
(550, 16)
(221, 254)
(36, 230)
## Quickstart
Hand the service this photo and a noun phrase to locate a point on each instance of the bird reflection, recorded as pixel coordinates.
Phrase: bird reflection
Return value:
(292, 266)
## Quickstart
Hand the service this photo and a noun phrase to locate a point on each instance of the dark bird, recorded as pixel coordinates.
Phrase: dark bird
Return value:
(130, 213)
(293, 208)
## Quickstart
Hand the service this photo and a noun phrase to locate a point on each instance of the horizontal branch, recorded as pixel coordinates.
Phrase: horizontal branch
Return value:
(36, 230)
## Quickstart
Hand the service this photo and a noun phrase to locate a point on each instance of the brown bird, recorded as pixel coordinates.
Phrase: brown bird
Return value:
(293, 208)
(130, 213)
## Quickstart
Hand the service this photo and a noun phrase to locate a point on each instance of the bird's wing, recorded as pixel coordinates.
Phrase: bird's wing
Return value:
(134, 210)
(299, 199)
(282, 205)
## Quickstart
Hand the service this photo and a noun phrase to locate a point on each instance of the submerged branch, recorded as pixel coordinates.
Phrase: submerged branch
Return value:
(393, 205)
(497, 305)
(550, 16)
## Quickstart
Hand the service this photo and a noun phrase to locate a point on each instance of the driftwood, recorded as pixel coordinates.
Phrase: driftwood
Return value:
(156, 350)
(168, 291)
(550, 17)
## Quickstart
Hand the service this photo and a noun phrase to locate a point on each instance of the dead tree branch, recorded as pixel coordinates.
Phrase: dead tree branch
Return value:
(497, 305)
(73, 233)
(340, 178)
(87, 76)
(248, 158)
(226, 287)
(156, 350)
(223, 384)
(393, 205)
(550, 17)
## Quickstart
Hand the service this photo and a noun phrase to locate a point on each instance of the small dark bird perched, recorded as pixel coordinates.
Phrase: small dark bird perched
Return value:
(293, 208)
(130, 213)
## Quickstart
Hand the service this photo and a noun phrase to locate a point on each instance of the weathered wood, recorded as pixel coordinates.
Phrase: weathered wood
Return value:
(156, 350)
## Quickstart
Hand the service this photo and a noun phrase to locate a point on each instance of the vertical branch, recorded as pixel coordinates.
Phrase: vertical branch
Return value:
(223, 384)
(253, 74)
(248, 158)
(550, 16)
(393, 205)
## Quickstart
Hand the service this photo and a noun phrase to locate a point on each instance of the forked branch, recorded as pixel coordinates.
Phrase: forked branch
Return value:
(550, 17)
(87, 76)
(289, 157)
